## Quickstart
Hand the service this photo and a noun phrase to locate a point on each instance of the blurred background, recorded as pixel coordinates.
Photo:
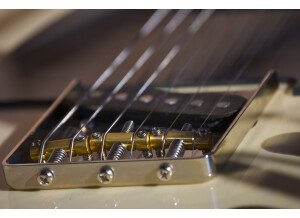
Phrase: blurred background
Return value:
(41, 51)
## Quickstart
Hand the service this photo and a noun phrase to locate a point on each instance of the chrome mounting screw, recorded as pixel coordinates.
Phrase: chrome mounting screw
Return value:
(45, 177)
(106, 175)
(164, 172)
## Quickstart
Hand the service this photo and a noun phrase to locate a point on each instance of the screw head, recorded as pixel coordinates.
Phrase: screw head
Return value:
(45, 177)
(223, 104)
(36, 143)
(171, 101)
(148, 154)
(106, 175)
(203, 132)
(121, 96)
(146, 98)
(81, 137)
(164, 172)
(96, 135)
(142, 134)
(197, 103)
(156, 131)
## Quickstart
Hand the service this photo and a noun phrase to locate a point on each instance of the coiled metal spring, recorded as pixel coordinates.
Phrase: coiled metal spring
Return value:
(117, 151)
(57, 156)
(176, 149)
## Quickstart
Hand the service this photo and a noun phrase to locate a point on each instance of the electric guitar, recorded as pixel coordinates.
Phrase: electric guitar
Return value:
(182, 115)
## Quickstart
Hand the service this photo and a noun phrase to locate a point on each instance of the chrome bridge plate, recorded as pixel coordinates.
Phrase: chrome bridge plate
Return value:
(22, 173)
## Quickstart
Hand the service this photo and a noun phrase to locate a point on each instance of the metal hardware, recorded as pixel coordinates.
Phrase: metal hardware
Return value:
(106, 175)
(96, 135)
(45, 177)
(87, 127)
(203, 132)
(57, 156)
(197, 103)
(146, 98)
(177, 146)
(158, 153)
(128, 126)
(118, 150)
(223, 104)
(187, 127)
(142, 134)
(36, 143)
(156, 131)
(81, 137)
(164, 172)
(87, 157)
(171, 101)
(177, 149)
(148, 154)
(184, 170)
(121, 96)
(144, 141)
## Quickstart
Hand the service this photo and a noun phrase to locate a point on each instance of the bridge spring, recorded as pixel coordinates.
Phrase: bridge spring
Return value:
(176, 149)
(57, 156)
(117, 151)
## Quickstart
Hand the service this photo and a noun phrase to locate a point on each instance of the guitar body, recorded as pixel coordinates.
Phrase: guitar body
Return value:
(263, 172)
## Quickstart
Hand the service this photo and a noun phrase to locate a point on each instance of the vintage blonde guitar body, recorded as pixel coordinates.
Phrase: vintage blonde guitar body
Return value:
(254, 177)
(263, 172)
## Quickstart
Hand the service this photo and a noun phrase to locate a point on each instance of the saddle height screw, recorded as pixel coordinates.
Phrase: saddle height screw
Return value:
(106, 175)
(148, 154)
(156, 131)
(164, 172)
(57, 156)
(118, 149)
(45, 177)
(142, 134)
(177, 147)
(128, 126)
(36, 143)
(81, 137)
(96, 135)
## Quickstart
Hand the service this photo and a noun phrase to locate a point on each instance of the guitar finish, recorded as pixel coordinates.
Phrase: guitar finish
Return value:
(244, 151)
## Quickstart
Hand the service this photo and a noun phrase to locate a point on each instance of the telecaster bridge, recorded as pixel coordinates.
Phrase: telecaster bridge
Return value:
(134, 152)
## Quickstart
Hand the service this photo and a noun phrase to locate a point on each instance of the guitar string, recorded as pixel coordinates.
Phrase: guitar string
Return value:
(239, 74)
(212, 72)
(146, 29)
(171, 26)
(203, 16)
(190, 62)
